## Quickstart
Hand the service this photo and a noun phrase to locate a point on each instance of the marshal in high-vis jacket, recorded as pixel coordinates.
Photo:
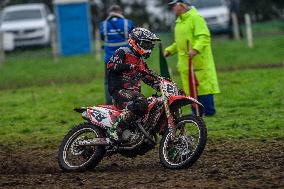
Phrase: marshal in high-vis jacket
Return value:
(191, 26)
(114, 32)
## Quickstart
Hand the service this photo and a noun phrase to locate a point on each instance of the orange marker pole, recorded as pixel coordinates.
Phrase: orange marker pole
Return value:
(192, 81)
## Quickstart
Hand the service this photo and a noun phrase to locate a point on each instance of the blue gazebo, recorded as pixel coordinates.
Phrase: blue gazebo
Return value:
(74, 29)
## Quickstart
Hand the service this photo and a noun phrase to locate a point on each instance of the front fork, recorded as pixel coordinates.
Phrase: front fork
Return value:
(171, 124)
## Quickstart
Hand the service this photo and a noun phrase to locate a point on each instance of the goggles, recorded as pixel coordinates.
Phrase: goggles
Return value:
(148, 45)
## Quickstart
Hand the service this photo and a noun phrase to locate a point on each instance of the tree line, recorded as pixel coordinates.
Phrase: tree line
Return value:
(263, 10)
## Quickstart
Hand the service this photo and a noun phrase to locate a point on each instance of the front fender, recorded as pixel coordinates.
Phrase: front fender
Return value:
(176, 102)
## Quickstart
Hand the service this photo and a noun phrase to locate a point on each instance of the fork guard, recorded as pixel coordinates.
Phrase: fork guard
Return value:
(176, 102)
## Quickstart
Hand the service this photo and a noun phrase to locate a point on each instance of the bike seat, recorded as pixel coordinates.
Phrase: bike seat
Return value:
(111, 107)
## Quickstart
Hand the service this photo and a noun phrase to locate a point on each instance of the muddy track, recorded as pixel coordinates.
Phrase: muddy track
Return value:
(224, 164)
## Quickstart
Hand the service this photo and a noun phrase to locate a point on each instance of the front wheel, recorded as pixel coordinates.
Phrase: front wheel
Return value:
(75, 157)
(188, 144)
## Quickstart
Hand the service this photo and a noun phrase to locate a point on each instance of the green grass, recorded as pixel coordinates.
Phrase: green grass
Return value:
(37, 95)
(268, 50)
(250, 106)
(42, 114)
(36, 67)
(269, 27)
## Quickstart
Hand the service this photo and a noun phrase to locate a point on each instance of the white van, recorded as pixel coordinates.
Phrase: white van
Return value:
(216, 14)
(28, 23)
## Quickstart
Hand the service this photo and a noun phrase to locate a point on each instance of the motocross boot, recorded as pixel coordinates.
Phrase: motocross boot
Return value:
(115, 131)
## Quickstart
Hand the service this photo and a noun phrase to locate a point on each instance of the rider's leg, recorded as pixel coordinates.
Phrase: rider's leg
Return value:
(136, 106)
(122, 120)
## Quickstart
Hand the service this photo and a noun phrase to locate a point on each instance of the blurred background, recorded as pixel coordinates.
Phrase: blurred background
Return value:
(159, 17)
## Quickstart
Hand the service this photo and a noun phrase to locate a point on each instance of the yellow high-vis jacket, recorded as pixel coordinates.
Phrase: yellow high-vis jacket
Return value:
(191, 26)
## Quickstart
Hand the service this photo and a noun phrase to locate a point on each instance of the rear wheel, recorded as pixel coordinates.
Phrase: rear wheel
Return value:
(187, 146)
(75, 157)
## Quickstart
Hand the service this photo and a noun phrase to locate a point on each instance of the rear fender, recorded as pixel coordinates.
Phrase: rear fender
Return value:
(175, 102)
(99, 115)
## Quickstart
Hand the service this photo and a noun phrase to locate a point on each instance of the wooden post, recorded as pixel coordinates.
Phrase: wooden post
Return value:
(98, 46)
(249, 30)
(236, 26)
(54, 45)
(2, 52)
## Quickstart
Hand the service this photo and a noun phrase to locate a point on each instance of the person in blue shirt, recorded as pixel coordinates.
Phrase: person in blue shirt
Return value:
(114, 31)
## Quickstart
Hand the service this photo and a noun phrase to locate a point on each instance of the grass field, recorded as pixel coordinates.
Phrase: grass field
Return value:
(37, 95)
(248, 107)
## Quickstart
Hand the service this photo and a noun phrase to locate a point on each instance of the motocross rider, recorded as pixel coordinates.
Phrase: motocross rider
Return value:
(126, 70)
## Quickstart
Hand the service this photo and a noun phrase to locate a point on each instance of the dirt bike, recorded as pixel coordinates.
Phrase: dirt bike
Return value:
(183, 137)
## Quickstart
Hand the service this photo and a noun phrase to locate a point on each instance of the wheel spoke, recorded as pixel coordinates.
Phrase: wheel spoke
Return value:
(187, 139)
(76, 155)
